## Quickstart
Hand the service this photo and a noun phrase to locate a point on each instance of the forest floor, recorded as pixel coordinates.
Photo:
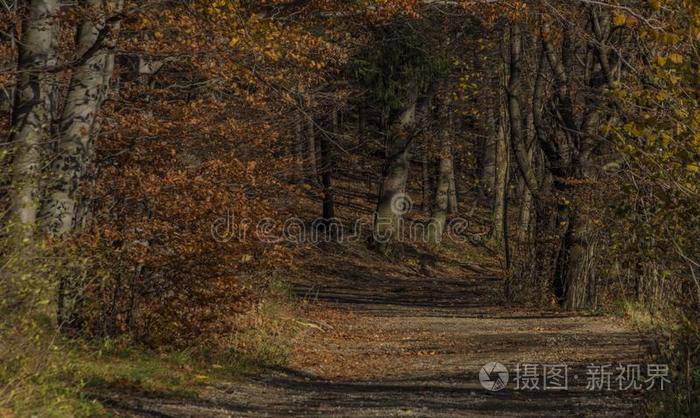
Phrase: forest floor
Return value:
(388, 339)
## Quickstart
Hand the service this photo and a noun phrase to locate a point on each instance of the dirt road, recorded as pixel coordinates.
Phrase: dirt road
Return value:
(398, 343)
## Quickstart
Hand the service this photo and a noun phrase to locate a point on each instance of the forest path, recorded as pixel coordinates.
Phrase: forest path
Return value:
(381, 341)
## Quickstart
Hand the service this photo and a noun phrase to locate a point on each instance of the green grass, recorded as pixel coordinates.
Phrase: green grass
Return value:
(677, 339)
(44, 376)
(74, 373)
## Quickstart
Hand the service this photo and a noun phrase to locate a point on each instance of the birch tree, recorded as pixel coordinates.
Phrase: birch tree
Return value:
(86, 92)
(31, 114)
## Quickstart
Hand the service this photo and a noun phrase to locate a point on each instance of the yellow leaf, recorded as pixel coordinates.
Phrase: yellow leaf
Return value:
(619, 20)
(676, 58)
(665, 139)
(660, 60)
(631, 21)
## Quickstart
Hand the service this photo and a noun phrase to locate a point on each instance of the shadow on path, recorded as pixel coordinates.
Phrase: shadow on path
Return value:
(422, 341)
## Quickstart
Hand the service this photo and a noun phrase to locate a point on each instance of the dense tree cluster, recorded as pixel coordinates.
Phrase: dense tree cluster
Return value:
(130, 128)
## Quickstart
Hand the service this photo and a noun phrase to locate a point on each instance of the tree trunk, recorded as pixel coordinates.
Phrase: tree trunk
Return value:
(574, 270)
(445, 174)
(514, 111)
(31, 114)
(500, 189)
(452, 202)
(86, 92)
(525, 214)
(392, 203)
(361, 122)
(498, 236)
(425, 181)
(442, 190)
(299, 145)
(546, 142)
(311, 141)
(326, 169)
(526, 197)
(487, 156)
(574, 273)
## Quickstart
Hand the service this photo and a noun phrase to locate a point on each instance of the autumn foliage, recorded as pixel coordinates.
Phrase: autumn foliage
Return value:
(565, 132)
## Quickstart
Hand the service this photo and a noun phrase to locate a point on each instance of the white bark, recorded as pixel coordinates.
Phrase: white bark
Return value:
(87, 91)
(31, 116)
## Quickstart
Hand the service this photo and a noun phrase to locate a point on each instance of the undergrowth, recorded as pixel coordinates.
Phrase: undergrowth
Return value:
(676, 343)
(43, 374)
